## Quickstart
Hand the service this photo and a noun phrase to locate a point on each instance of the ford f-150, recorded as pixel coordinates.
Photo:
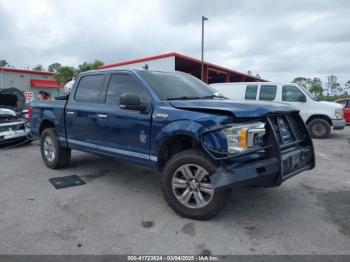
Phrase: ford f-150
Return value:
(203, 143)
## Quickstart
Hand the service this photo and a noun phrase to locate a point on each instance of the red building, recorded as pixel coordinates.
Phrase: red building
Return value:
(175, 61)
(30, 82)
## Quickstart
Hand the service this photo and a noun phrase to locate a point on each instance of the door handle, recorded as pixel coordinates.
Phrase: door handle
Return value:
(70, 113)
(102, 116)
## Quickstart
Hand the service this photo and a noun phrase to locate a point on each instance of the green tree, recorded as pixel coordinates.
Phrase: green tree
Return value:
(89, 66)
(64, 74)
(38, 68)
(54, 67)
(347, 87)
(333, 87)
(3, 63)
(316, 86)
(303, 81)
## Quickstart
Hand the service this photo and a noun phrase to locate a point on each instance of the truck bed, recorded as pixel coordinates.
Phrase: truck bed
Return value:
(51, 111)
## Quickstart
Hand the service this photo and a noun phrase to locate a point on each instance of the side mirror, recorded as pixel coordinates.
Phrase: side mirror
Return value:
(132, 101)
(302, 98)
(24, 113)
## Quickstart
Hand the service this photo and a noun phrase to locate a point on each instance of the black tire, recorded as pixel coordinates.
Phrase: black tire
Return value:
(61, 154)
(319, 128)
(198, 158)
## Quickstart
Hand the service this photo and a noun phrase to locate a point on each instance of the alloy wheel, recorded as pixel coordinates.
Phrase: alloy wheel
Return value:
(192, 187)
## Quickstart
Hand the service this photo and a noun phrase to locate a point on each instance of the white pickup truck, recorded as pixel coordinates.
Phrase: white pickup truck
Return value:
(320, 116)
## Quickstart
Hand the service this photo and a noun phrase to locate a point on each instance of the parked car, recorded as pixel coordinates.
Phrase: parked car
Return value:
(171, 121)
(320, 116)
(345, 102)
(14, 127)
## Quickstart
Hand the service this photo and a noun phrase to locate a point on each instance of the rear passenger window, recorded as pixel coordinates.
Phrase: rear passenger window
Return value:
(90, 89)
(123, 83)
(250, 92)
(267, 92)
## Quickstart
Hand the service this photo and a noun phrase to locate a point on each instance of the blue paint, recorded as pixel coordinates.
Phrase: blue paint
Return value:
(139, 136)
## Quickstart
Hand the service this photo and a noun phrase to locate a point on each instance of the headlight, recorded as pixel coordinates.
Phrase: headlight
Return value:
(241, 137)
(339, 113)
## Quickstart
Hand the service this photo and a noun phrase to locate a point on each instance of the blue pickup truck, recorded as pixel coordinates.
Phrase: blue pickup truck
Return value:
(203, 143)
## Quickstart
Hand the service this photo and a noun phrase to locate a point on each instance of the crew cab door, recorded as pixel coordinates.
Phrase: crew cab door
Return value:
(125, 132)
(83, 110)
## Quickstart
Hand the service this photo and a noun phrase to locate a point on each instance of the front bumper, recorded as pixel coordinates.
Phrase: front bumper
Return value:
(272, 165)
(338, 124)
(266, 172)
(13, 135)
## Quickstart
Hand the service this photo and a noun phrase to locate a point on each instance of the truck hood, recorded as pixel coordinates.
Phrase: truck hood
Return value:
(331, 104)
(238, 109)
(13, 98)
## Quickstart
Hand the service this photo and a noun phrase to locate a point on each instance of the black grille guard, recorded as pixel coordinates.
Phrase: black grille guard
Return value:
(292, 157)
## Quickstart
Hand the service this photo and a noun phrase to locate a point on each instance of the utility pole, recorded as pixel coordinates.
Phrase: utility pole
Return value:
(202, 68)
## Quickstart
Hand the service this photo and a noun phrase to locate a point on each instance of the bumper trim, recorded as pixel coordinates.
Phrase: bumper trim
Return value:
(238, 175)
(338, 124)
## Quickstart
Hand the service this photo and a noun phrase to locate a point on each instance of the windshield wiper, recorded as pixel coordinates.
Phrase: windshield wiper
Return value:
(184, 98)
(214, 96)
(197, 97)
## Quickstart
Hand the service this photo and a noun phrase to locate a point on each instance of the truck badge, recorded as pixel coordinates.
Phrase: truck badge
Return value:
(159, 116)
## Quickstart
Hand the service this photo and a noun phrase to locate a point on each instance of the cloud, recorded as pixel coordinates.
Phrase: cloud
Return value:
(277, 39)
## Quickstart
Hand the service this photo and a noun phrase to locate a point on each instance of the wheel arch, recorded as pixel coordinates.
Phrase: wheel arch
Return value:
(325, 117)
(46, 123)
(175, 144)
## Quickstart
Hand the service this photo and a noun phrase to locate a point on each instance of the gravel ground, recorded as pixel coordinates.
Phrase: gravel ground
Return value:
(120, 210)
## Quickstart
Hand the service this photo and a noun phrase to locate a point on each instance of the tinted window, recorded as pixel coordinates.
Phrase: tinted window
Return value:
(344, 103)
(250, 92)
(90, 89)
(292, 94)
(174, 85)
(123, 83)
(267, 92)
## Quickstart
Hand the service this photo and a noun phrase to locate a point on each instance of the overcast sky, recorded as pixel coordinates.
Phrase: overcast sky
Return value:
(277, 39)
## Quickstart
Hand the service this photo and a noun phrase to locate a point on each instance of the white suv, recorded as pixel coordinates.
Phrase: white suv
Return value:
(319, 116)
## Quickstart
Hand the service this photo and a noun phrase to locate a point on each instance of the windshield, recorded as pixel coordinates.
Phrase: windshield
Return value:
(176, 85)
(307, 92)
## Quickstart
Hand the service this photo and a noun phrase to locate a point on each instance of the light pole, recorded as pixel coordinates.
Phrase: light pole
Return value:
(202, 68)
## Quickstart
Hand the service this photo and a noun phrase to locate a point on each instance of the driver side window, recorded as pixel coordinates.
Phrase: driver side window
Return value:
(292, 94)
(124, 83)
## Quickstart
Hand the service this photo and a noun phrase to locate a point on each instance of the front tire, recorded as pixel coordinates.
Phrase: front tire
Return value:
(319, 128)
(52, 153)
(187, 188)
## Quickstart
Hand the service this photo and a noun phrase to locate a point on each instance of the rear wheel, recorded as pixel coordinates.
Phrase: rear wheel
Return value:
(187, 188)
(52, 153)
(319, 128)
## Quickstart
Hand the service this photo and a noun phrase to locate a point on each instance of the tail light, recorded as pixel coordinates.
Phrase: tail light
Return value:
(30, 113)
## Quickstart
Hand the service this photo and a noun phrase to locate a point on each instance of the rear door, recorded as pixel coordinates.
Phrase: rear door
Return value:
(267, 92)
(83, 112)
(125, 132)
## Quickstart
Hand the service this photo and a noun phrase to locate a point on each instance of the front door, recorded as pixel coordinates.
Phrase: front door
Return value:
(293, 96)
(125, 132)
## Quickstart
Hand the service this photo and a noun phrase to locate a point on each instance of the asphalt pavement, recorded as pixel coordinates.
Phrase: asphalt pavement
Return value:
(120, 210)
